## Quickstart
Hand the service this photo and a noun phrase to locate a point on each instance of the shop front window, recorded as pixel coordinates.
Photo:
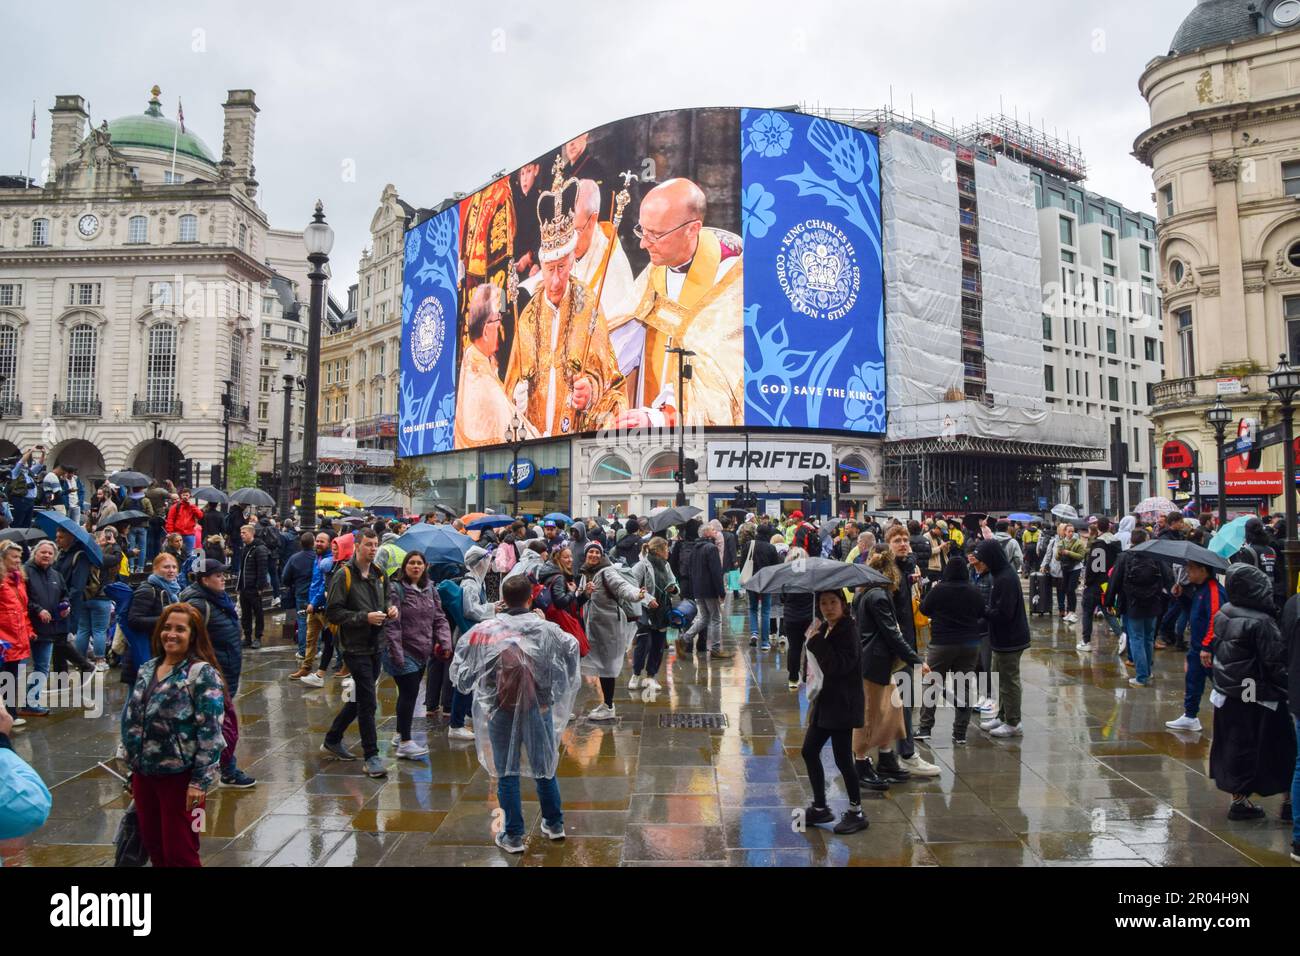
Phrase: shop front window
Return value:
(550, 490)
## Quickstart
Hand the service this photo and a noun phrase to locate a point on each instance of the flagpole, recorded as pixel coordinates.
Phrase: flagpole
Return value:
(175, 136)
(28, 183)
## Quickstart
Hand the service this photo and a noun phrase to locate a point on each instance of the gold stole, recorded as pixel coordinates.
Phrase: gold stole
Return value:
(698, 284)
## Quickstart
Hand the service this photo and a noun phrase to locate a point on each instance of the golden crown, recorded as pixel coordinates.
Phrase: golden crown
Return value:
(556, 214)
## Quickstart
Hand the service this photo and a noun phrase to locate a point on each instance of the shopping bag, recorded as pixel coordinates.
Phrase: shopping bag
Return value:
(129, 848)
(815, 677)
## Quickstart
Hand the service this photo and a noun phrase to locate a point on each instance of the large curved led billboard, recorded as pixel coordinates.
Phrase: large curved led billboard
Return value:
(559, 300)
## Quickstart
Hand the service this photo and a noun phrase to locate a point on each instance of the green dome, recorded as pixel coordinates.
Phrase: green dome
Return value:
(152, 130)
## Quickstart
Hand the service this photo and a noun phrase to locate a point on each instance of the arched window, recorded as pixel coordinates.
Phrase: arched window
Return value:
(8, 363)
(40, 232)
(83, 350)
(661, 467)
(160, 384)
(611, 468)
(189, 228)
(137, 229)
(856, 468)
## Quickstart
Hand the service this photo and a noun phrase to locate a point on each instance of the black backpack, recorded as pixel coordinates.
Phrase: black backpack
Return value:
(1143, 580)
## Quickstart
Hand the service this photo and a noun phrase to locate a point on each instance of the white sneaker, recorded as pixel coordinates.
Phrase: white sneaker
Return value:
(1007, 730)
(312, 680)
(601, 712)
(792, 685)
(635, 682)
(101, 666)
(1184, 723)
(411, 750)
(1071, 618)
(1083, 646)
(918, 767)
(19, 722)
(397, 740)
(989, 708)
(651, 685)
(990, 725)
(550, 834)
(459, 733)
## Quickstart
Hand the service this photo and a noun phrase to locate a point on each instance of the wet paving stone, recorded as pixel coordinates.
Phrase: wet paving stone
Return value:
(1096, 780)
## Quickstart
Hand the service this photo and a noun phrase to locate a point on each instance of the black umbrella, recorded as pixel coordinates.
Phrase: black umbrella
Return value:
(829, 526)
(130, 479)
(352, 512)
(661, 519)
(445, 510)
(600, 521)
(811, 575)
(1180, 552)
(125, 518)
(740, 514)
(23, 535)
(252, 496)
(214, 495)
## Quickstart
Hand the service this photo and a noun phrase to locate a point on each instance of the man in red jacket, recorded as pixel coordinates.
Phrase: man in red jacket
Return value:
(185, 518)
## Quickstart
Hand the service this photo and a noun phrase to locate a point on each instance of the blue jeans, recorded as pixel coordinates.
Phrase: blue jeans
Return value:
(302, 633)
(538, 736)
(138, 539)
(39, 675)
(154, 538)
(754, 626)
(1194, 680)
(1141, 633)
(23, 508)
(93, 627)
(460, 704)
(1295, 791)
(189, 543)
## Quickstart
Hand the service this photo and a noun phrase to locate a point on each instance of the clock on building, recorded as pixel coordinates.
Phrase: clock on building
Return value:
(88, 225)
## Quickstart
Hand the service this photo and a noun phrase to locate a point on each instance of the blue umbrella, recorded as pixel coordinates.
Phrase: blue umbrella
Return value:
(438, 543)
(1230, 539)
(489, 521)
(52, 521)
(1021, 516)
(558, 516)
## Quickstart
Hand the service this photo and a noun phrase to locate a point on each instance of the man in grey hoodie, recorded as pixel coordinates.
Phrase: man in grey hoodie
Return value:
(1010, 546)
(1103, 551)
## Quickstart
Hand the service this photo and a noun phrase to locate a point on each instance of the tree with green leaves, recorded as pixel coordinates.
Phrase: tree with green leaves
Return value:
(409, 479)
(243, 468)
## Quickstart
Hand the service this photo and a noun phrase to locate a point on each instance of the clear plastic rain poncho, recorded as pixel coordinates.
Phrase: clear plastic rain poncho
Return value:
(523, 673)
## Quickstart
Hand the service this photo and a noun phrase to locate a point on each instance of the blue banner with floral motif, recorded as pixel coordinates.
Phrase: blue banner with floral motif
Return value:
(427, 404)
(814, 303)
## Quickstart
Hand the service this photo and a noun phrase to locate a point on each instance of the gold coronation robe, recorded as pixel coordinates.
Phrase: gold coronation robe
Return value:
(706, 318)
(483, 409)
(532, 360)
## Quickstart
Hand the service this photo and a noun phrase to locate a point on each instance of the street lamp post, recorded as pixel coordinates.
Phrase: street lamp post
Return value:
(684, 372)
(1284, 382)
(516, 432)
(319, 239)
(290, 381)
(227, 407)
(1219, 416)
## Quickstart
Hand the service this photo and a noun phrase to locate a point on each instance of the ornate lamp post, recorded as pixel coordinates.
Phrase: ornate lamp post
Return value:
(1284, 382)
(1220, 416)
(288, 369)
(516, 433)
(319, 239)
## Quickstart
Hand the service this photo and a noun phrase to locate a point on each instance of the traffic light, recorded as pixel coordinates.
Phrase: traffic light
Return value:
(821, 486)
(186, 473)
(217, 477)
(966, 486)
(845, 483)
(692, 474)
(1184, 479)
(809, 490)
(975, 487)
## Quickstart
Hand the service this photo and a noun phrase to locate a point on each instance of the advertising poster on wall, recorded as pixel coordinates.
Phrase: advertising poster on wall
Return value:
(572, 283)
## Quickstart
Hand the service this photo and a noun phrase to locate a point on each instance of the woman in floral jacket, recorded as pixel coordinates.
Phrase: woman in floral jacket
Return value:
(171, 730)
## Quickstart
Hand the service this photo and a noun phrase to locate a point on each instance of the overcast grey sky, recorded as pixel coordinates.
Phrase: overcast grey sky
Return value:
(436, 97)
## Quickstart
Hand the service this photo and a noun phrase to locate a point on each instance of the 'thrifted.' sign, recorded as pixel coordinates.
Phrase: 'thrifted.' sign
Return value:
(768, 461)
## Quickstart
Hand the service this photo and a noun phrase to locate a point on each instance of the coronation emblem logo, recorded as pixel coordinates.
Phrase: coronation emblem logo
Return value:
(817, 269)
(428, 330)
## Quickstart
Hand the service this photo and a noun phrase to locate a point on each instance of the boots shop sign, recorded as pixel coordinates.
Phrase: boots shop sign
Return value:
(768, 461)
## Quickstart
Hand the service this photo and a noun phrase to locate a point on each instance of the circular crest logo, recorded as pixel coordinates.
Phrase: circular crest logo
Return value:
(428, 330)
(817, 268)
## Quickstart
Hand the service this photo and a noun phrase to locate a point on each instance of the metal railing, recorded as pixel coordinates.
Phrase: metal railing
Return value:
(78, 408)
(238, 413)
(11, 408)
(157, 408)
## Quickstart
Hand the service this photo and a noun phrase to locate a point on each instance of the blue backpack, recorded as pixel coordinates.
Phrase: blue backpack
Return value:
(452, 596)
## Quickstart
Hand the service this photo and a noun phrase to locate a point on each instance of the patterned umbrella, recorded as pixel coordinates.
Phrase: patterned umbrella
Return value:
(1154, 506)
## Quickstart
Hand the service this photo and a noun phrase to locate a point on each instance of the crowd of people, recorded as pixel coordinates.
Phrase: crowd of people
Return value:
(503, 638)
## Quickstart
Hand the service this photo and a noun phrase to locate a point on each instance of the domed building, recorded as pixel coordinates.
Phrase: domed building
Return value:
(1224, 148)
(134, 287)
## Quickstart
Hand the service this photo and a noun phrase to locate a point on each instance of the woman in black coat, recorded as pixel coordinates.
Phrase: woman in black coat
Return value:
(955, 608)
(1254, 745)
(798, 611)
(836, 711)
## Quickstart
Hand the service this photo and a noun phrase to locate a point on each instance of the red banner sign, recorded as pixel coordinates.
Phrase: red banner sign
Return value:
(1175, 454)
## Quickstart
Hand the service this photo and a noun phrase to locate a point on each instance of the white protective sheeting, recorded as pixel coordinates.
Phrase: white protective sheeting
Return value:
(376, 496)
(1034, 425)
(1009, 264)
(922, 271)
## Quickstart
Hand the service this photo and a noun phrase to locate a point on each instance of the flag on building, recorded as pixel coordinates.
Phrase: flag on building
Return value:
(180, 114)
(33, 119)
